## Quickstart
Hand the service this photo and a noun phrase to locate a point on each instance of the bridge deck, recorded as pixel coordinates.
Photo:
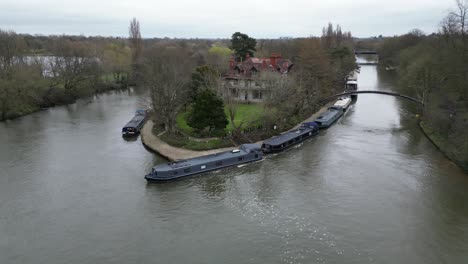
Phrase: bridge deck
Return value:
(372, 92)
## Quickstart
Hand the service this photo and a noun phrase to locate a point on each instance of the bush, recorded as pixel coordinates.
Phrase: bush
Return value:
(207, 113)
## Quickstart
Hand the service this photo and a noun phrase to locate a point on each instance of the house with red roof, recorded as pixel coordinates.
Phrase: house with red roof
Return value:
(243, 81)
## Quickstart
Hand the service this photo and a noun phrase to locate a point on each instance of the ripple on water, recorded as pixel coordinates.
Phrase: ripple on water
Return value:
(302, 239)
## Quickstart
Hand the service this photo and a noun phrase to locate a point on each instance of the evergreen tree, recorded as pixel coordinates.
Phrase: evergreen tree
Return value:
(242, 45)
(204, 77)
(207, 112)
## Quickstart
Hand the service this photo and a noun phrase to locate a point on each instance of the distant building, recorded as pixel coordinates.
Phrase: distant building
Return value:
(242, 80)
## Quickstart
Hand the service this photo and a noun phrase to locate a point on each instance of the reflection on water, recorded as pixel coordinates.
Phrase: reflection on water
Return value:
(369, 189)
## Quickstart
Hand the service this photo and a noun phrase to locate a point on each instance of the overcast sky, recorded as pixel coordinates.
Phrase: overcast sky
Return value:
(220, 18)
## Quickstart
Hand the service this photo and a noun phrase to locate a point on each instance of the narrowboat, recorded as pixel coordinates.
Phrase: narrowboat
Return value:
(326, 119)
(184, 168)
(133, 127)
(291, 138)
(344, 103)
(351, 86)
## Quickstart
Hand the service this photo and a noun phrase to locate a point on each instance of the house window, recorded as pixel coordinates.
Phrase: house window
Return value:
(257, 94)
(234, 92)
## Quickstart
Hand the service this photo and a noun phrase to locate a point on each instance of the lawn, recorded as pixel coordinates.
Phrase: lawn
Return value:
(185, 142)
(249, 114)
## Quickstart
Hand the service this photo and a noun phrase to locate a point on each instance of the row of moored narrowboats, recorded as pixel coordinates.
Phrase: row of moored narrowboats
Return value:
(248, 152)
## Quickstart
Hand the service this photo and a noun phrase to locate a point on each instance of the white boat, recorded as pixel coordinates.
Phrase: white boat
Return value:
(343, 103)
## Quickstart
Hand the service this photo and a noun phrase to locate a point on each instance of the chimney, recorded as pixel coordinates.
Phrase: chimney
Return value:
(232, 64)
(273, 58)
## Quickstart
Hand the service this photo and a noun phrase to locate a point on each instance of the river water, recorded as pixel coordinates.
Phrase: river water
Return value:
(371, 189)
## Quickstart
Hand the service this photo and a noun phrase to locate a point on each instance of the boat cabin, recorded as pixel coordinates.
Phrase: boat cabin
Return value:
(351, 86)
(132, 128)
(288, 139)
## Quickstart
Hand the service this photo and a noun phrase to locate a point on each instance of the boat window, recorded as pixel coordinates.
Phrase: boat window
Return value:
(187, 170)
(256, 156)
(219, 163)
(240, 158)
(175, 172)
(203, 167)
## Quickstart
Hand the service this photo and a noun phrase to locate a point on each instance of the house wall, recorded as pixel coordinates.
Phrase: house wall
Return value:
(246, 90)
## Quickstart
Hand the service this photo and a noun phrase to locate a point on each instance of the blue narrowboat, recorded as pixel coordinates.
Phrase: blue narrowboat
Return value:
(133, 127)
(326, 119)
(289, 139)
(184, 168)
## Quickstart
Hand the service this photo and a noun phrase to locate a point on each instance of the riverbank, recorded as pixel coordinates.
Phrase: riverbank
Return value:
(154, 142)
(444, 146)
(53, 99)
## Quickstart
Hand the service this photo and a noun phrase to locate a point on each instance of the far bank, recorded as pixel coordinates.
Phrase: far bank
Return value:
(450, 150)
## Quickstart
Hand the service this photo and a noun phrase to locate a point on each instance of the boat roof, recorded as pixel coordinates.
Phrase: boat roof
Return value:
(280, 139)
(140, 112)
(342, 102)
(242, 150)
(328, 114)
(135, 121)
(345, 99)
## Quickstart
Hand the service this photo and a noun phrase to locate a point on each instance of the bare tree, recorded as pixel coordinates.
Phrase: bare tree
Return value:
(460, 15)
(11, 48)
(136, 44)
(74, 68)
(167, 75)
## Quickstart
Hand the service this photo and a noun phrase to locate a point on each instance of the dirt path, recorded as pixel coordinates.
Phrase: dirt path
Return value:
(171, 153)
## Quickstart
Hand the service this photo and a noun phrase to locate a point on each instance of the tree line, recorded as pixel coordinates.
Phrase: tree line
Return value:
(70, 68)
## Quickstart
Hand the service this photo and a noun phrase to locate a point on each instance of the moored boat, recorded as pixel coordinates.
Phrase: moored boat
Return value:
(326, 119)
(288, 139)
(133, 127)
(351, 83)
(343, 103)
(175, 170)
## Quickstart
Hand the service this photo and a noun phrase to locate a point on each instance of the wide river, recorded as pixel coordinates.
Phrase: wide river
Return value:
(371, 189)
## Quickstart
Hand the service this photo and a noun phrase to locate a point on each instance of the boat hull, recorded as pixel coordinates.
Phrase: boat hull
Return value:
(184, 168)
(151, 178)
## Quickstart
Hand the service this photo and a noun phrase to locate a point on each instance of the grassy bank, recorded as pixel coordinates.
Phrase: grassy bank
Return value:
(248, 114)
(185, 142)
(450, 150)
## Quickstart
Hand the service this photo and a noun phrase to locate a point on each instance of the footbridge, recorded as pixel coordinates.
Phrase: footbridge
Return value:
(323, 101)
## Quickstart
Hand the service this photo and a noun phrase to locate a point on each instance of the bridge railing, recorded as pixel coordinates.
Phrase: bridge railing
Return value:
(325, 100)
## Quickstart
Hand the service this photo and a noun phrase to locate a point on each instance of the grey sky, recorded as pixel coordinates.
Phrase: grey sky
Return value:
(220, 18)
